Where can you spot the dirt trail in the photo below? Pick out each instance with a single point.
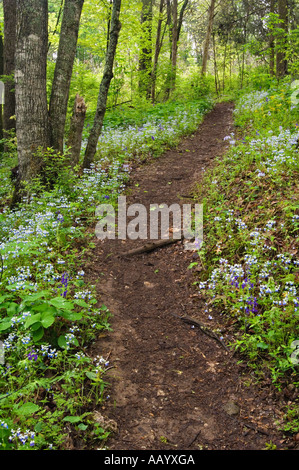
(171, 385)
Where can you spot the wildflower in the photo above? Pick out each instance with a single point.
(32, 356)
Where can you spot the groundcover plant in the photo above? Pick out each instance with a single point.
(50, 384)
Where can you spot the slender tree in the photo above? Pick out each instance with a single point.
(145, 59)
(281, 61)
(104, 86)
(208, 37)
(175, 21)
(158, 46)
(63, 71)
(272, 42)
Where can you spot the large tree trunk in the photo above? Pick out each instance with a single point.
(281, 62)
(208, 37)
(9, 10)
(63, 71)
(104, 87)
(32, 125)
(145, 60)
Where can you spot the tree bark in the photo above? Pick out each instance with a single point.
(76, 129)
(208, 37)
(32, 124)
(176, 22)
(145, 60)
(9, 10)
(63, 71)
(104, 87)
(157, 51)
(1, 92)
(272, 43)
(281, 62)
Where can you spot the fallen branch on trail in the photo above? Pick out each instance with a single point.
(148, 247)
(202, 327)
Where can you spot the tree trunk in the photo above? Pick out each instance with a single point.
(63, 71)
(9, 10)
(157, 50)
(176, 22)
(145, 60)
(32, 125)
(174, 47)
(208, 37)
(272, 43)
(76, 129)
(104, 87)
(1, 92)
(281, 62)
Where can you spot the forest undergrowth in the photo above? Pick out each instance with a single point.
(249, 258)
(50, 385)
(50, 316)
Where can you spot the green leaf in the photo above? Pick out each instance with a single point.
(5, 325)
(72, 316)
(62, 342)
(47, 319)
(32, 319)
(32, 298)
(72, 419)
(91, 375)
(61, 303)
(28, 408)
(44, 307)
(192, 265)
(81, 303)
(82, 427)
(38, 334)
(262, 345)
(12, 308)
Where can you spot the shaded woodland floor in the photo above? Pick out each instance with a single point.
(171, 385)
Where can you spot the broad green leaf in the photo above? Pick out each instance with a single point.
(28, 408)
(5, 325)
(72, 316)
(38, 334)
(72, 419)
(32, 319)
(47, 319)
(61, 303)
(81, 303)
(91, 375)
(62, 342)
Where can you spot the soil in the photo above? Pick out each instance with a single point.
(171, 385)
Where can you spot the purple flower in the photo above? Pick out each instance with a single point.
(32, 356)
(65, 281)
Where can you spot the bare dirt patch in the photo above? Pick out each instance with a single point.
(172, 386)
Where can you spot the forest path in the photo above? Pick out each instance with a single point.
(171, 385)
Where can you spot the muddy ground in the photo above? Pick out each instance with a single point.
(171, 385)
